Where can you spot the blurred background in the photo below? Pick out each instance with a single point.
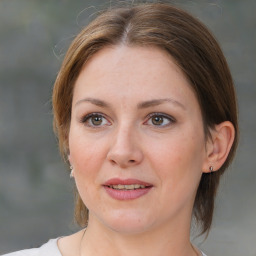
(36, 194)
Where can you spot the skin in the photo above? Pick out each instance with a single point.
(123, 85)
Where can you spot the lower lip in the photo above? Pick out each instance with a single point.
(126, 194)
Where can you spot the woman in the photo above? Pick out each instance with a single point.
(145, 112)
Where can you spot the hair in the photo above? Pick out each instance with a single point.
(195, 51)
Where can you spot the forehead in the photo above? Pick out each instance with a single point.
(138, 59)
(147, 72)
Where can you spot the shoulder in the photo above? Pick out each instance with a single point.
(48, 249)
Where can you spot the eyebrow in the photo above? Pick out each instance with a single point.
(94, 101)
(156, 102)
(142, 105)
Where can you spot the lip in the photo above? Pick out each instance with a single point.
(117, 181)
(126, 194)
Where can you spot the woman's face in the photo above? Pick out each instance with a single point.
(136, 140)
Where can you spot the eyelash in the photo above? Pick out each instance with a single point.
(86, 119)
(170, 119)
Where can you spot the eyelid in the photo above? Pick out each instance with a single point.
(85, 118)
(171, 118)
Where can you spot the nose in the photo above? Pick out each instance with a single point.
(125, 150)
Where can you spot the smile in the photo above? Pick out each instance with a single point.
(127, 187)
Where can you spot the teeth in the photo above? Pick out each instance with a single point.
(127, 187)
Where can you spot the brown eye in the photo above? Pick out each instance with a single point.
(157, 120)
(96, 120)
(160, 120)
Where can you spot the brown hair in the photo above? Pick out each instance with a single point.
(195, 51)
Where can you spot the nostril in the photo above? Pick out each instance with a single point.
(112, 161)
(131, 161)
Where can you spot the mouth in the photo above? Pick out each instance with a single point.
(126, 189)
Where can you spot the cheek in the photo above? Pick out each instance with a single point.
(178, 158)
(86, 154)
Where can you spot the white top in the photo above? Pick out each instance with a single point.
(48, 249)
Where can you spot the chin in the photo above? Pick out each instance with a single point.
(128, 228)
(128, 223)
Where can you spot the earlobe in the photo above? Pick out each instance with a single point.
(218, 146)
(71, 166)
(70, 159)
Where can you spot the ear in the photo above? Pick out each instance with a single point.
(218, 146)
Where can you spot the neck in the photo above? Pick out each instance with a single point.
(164, 241)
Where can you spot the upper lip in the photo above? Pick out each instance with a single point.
(118, 181)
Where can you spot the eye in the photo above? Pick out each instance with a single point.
(158, 119)
(95, 120)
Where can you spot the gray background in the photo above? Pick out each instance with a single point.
(35, 189)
